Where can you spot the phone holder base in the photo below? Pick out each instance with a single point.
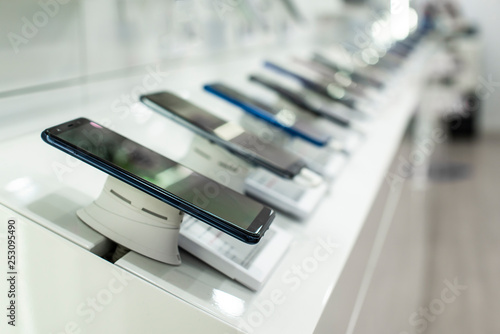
(135, 220)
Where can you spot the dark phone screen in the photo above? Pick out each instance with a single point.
(208, 122)
(188, 111)
(163, 172)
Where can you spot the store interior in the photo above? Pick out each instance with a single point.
(249, 166)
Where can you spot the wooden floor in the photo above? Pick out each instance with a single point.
(445, 232)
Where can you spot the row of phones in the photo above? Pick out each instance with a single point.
(182, 188)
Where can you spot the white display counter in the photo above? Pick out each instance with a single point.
(64, 287)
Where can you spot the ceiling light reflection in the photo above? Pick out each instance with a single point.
(228, 304)
(18, 184)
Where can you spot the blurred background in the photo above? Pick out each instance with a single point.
(59, 52)
(50, 44)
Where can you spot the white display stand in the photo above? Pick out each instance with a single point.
(136, 220)
(217, 163)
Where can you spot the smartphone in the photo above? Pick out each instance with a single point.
(316, 87)
(229, 135)
(342, 80)
(337, 114)
(291, 121)
(355, 75)
(162, 178)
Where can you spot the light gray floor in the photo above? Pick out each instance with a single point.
(446, 230)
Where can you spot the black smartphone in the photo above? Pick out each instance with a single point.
(354, 75)
(337, 114)
(316, 87)
(160, 177)
(229, 135)
(326, 75)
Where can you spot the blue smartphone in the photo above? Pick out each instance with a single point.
(292, 122)
(162, 178)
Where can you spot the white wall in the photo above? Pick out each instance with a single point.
(46, 42)
(35, 47)
(485, 13)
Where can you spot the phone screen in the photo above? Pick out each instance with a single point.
(288, 164)
(188, 111)
(181, 182)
